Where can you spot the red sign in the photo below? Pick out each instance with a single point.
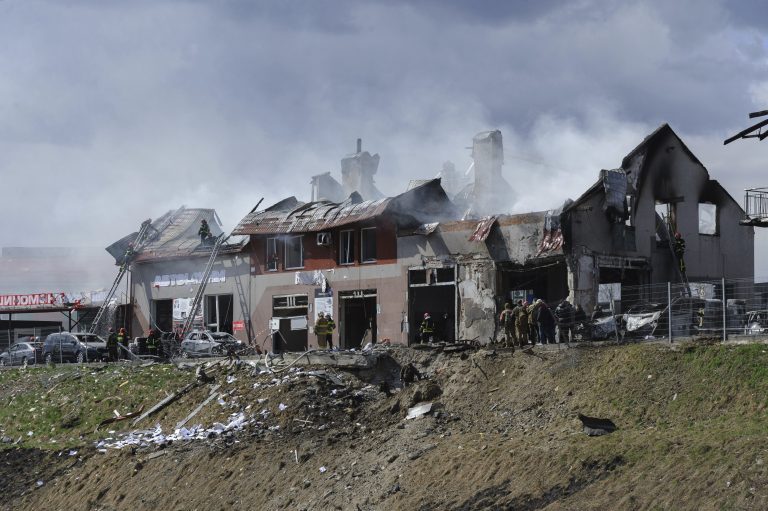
(30, 300)
(238, 326)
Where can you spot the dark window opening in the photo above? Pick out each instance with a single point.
(272, 254)
(368, 244)
(347, 247)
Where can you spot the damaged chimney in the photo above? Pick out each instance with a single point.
(357, 172)
(490, 193)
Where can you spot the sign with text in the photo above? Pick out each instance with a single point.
(184, 279)
(238, 326)
(31, 300)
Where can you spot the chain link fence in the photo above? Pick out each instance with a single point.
(722, 309)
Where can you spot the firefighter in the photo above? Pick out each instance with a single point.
(329, 328)
(112, 345)
(679, 248)
(321, 331)
(427, 328)
(507, 320)
(152, 341)
(521, 321)
(565, 319)
(122, 341)
(204, 231)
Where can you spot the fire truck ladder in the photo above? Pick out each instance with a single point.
(198, 299)
(133, 249)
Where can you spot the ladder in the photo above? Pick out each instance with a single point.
(133, 249)
(198, 299)
(683, 276)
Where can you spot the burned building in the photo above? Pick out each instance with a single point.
(620, 230)
(166, 273)
(337, 258)
(377, 264)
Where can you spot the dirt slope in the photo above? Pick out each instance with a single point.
(503, 434)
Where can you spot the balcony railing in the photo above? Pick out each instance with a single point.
(756, 207)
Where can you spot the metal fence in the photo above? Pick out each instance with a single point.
(722, 309)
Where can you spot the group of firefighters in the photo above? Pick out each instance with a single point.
(120, 340)
(526, 323)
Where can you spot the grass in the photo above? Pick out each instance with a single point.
(60, 407)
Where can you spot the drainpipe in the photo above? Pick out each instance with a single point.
(669, 309)
(725, 328)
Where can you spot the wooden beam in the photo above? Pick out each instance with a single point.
(758, 114)
(746, 131)
(165, 402)
(189, 417)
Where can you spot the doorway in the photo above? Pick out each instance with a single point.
(290, 313)
(163, 315)
(218, 313)
(357, 315)
(433, 291)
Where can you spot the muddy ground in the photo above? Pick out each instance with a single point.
(503, 433)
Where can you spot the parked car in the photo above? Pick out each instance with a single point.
(23, 352)
(756, 322)
(208, 344)
(74, 347)
(652, 319)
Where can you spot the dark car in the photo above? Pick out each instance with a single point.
(74, 347)
(24, 352)
(207, 344)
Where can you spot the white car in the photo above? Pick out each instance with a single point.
(207, 344)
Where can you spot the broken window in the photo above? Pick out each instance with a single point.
(294, 252)
(368, 244)
(417, 276)
(347, 247)
(666, 222)
(271, 254)
(707, 218)
(630, 206)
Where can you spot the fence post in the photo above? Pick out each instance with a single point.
(669, 309)
(725, 308)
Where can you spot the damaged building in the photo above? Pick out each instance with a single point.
(166, 273)
(336, 258)
(378, 264)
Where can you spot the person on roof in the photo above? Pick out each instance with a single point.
(427, 328)
(205, 231)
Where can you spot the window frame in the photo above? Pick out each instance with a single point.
(269, 259)
(715, 219)
(351, 252)
(286, 241)
(363, 259)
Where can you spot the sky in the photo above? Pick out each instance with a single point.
(112, 112)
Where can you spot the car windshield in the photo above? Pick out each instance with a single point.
(222, 336)
(88, 338)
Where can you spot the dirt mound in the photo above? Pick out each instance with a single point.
(502, 433)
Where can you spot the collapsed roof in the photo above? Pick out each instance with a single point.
(175, 234)
(426, 202)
